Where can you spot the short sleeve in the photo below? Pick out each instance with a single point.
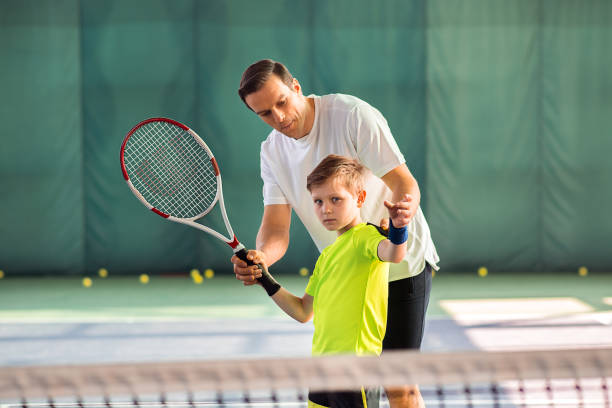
(367, 241)
(373, 141)
(272, 193)
(313, 282)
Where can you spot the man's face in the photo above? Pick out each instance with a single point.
(283, 108)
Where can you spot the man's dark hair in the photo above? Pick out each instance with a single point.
(256, 75)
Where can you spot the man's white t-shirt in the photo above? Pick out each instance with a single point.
(347, 126)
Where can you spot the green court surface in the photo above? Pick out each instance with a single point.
(175, 298)
(57, 321)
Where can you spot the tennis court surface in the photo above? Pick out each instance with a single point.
(501, 341)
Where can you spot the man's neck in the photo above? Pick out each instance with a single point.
(310, 117)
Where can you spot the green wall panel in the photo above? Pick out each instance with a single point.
(502, 110)
(482, 98)
(138, 62)
(41, 162)
(576, 134)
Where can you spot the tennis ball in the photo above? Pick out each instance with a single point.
(303, 271)
(198, 279)
(209, 273)
(194, 273)
(583, 271)
(433, 273)
(1, 274)
(144, 278)
(103, 272)
(482, 271)
(87, 282)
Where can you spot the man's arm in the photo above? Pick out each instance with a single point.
(402, 182)
(272, 242)
(273, 235)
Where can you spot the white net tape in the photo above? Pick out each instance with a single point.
(551, 377)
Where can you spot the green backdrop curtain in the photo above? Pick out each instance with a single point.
(502, 109)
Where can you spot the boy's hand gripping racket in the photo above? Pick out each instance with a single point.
(173, 172)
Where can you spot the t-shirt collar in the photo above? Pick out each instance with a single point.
(315, 123)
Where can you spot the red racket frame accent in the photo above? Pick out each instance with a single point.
(215, 165)
(162, 214)
(234, 243)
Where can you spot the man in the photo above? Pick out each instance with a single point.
(307, 129)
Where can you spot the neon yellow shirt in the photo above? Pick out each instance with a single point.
(350, 289)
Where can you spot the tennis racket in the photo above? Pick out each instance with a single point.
(173, 173)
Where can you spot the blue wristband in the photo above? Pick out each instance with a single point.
(397, 235)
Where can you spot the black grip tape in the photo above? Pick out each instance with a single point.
(267, 281)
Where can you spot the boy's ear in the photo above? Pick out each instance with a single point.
(361, 198)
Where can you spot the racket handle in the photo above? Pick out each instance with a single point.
(267, 281)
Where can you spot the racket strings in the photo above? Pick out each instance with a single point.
(181, 175)
(171, 170)
(175, 176)
(156, 164)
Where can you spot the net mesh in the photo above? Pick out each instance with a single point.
(561, 378)
(170, 169)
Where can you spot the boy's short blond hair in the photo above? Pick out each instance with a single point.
(350, 172)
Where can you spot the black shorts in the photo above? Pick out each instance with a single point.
(363, 398)
(408, 301)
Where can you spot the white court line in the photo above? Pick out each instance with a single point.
(475, 311)
(131, 314)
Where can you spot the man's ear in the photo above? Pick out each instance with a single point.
(361, 198)
(296, 86)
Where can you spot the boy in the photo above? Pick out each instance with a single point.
(347, 292)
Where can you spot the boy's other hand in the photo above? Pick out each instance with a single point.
(384, 224)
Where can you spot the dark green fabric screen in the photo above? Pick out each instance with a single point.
(41, 137)
(502, 110)
(519, 133)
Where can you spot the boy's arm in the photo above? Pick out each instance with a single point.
(298, 308)
(394, 248)
(389, 252)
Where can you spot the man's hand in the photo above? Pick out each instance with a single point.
(248, 274)
(401, 212)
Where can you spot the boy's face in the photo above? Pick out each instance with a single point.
(336, 206)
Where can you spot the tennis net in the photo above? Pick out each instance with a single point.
(541, 378)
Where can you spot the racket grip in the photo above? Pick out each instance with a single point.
(267, 281)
